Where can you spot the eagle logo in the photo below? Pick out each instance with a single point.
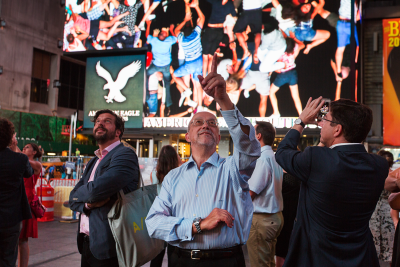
(116, 86)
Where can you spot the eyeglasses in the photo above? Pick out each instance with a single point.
(320, 118)
(200, 122)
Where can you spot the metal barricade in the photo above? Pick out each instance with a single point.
(76, 166)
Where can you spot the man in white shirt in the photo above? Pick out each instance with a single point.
(266, 192)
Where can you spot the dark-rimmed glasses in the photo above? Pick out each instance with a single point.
(200, 122)
(322, 118)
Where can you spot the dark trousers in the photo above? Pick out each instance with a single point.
(88, 260)
(9, 245)
(237, 260)
(167, 81)
(158, 260)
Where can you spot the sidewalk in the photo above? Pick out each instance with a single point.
(56, 246)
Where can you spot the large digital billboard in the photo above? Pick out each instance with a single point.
(115, 83)
(391, 81)
(274, 54)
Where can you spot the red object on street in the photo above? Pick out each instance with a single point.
(46, 196)
(149, 58)
(65, 130)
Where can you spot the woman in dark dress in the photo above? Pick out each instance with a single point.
(29, 227)
(290, 193)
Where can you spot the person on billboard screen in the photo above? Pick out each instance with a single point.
(341, 63)
(154, 86)
(96, 30)
(131, 6)
(273, 46)
(214, 32)
(147, 12)
(303, 16)
(189, 38)
(251, 16)
(287, 75)
(161, 45)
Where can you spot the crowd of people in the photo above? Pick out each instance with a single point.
(308, 208)
(257, 42)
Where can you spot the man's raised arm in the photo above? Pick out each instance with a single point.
(242, 131)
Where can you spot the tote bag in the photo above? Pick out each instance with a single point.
(126, 219)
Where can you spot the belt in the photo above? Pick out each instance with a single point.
(197, 254)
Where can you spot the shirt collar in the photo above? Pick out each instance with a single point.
(344, 144)
(265, 148)
(108, 149)
(213, 160)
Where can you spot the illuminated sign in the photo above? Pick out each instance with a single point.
(115, 83)
(391, 81)
(284, 122)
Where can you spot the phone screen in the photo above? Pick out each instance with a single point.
(325, 108)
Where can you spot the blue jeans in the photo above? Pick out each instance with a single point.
(152, 102)
(167, 81)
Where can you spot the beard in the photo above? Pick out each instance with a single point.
(211, 141)
(103, 138)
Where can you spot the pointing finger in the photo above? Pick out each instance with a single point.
(214, 63)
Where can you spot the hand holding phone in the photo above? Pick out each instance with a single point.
(311, 110)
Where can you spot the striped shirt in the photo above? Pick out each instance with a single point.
(191, 44)
(95, 13)
(188, 193)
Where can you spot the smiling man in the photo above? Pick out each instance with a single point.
(204, 208)
(115, 167)
(341, 184)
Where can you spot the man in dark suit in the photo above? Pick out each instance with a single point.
(115, 167)
(341, 184)
(14, 206)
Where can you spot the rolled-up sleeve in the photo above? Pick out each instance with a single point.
(160, 222)
(261, 177)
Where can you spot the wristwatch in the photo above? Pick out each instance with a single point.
(196, 223)
(299, 122)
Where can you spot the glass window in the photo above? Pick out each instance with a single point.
(72, 78)
(40, 76)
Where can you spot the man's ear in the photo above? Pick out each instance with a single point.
(338, 131)
(258, 136)
(118, 133)
(187, 137)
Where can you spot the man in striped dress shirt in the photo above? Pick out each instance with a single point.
(204, 208)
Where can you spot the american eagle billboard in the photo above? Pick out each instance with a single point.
(115, 83)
